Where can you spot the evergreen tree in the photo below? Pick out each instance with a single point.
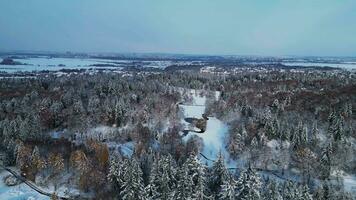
(219, 174)
(305, 195)
(117, 173)
(339, 129)
(228, 190)
(297, 193)
(162, 178)
(184, 185)
(299, 136)
(325, 162)
(197, 173)
(314, 135)
(304, 135)
(275, 106)
(326, 191)
(289, 191)
(336, 127)
(348, 109)
(271, 191)
(249, 185)
(236, 145)
(243, 134)
(133, 187)
(254, 143)
(271, 128)
(319, 194)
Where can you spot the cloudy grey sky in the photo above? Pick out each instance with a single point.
(242, 27)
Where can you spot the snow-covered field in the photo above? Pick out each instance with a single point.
(18, 192)
(216, 131)
(55, 64)
(348, 65)
(349, 181)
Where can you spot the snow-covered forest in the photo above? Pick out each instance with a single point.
(213, 133)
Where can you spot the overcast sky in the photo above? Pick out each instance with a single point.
(241, 27)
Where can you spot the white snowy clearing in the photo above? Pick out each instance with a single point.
(216, 131)
(55, 64)
(346, 65)
(18, 192)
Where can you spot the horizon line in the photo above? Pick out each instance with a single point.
(164, 53)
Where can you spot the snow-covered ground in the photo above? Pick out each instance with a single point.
(126, 149)
(348, 65)
(18, 192)
(349, 181)
(216, 131)
(55, 64)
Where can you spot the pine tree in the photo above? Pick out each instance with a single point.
(219, 174)
(254, 143)
(162, 178)
(154, 181)
(331, 117)
(325, 162)
(249, 185)
(166, 189)
(348, 109)
(184, 185)
(271, 191)
(327, 193)
(339, 129)
(197, 173)
(236, 145)
(289, 191)
(34, 128)
(228, 190)
(36, 161)
(133, 187)
(243, 133)
(275, 106)
(314, 135)
(304, 135)
(305, 195)
(24, 129)
(297, 193)
(336, 127)
(150, 192)
(319, 194)
(270, 128)
(299, 136)
(117, 173)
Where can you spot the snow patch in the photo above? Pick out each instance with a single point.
(18, 192)
(214, 138)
